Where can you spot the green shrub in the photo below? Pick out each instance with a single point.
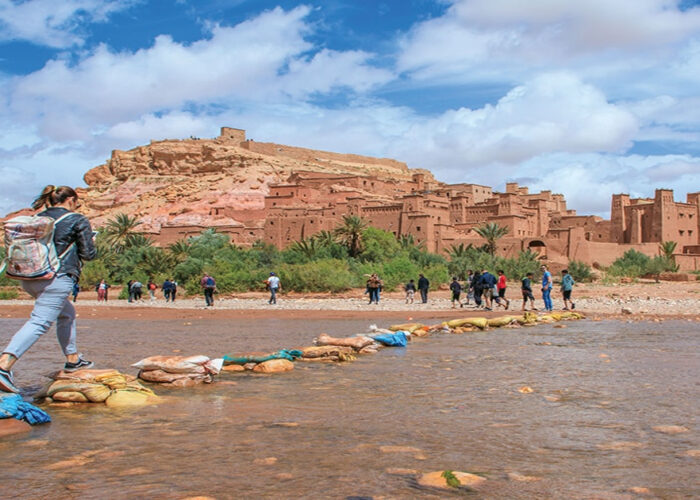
(328, 275)
(635, 264)
(580, 271)
(9, 294)
(632, 264)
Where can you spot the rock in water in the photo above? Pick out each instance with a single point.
(437, 479)
(274, 366)
(10, 426)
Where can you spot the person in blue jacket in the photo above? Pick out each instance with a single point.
(488, 284)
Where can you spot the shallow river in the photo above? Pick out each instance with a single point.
(586, 430)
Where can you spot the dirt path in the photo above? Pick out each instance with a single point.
(644, 300)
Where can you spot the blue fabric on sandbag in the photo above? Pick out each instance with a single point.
(13, 406)
(396, 339)
(290, 354)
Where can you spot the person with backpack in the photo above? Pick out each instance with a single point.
(526, 289)
(488, 285)
(59, 240)
(136, 290)
(208, 284)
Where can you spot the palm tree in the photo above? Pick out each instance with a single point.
(120, 231)
(180, 249)
(349, 234)
(667, 248)
(324, 238)
(308, 247)
(459, 251)
(491, 232)
(138, 240)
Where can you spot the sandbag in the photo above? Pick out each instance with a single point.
(89, 376)
(126, 398)
(528, 318)
(323, 351)
(174, 364)
(274, 366)
(368, 349)
(409, 327)
(94, 386)
(499, 322)
(70, 396)
(356, 343)
(478, 322)
(163, 377)
(97, 393)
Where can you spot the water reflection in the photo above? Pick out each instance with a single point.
(356, 429)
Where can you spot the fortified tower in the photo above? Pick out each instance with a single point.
(618, 227)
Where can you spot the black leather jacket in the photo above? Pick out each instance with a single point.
(73, 229)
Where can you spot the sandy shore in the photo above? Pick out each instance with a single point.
(644, 300)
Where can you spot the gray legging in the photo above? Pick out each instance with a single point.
(52, 305)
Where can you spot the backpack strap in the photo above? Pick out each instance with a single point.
(67, 214)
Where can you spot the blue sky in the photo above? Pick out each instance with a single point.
(583, 98)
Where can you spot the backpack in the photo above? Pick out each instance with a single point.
(209, 282)
(31, 252)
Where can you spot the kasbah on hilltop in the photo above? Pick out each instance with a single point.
(280, 194)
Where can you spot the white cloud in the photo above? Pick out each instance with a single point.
(553, 112)
(54, 23)
(476, 37)
(236, 64)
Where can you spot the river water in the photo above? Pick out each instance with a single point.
(342, 430)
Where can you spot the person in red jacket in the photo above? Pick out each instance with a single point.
(501, 287)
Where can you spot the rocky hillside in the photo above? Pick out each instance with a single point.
(178, 181)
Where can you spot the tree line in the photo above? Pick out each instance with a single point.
(328, 261)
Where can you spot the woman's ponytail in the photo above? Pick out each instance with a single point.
(52, 195)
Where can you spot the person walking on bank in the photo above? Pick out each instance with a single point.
(567, 285)
(208, 284)
(101, 290)
(173, 290)
(469, 286)
(477, 288)
(501, 287)
(423, 287)
(136, 290)
(373, 286)
(456, 288)
(167, 288)
(273, 283)
(410, 289)
(152, 287)
(73, 241)
(526, 289)
(488, 285)
(547, 288)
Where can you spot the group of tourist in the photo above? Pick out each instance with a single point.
(135, 290)
(485, 290)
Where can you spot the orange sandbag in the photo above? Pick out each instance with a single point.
(356, 343)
